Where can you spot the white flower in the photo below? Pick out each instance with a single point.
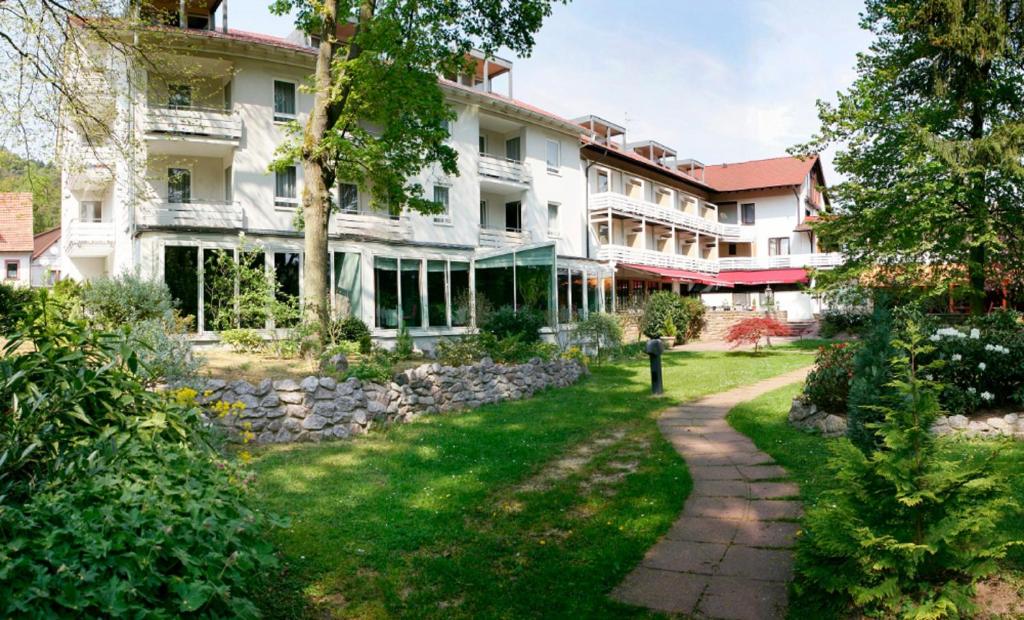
(975, 333)
(981, 366)
(971, 390)
(997, 348)
(935, 338)
(987, 396)
(952, 332)
(929, 377)
(957, 357)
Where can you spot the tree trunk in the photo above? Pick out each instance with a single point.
(978, 255)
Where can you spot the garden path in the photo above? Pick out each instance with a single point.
(729, 554)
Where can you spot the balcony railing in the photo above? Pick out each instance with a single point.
(194, 121)
(88, 167)
(503, 169)
(372, 225)
(496, 238)
(194, 214)
(813, 261)
(85, 239)
(623, 205)
(634, 256)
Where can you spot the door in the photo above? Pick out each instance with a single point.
(514, 216)
(512, 149)
(483, 214)
(179, 185)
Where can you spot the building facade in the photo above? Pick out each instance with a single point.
(16, 237)
(559, 215)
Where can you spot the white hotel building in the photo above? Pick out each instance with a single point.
(562, 215)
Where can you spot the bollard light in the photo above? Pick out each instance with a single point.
(655, 347)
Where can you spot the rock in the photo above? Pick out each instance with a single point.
(324, 408)
(309, 384)
(292, 425)
(314, 422)
(270, 400)
(323, 393)
(375, 408)
(286, 385)
(328, 383)
(296, 411)
(242, 387)
(251, 402)
(264, 387)
(833, 426)
(292, 398)
(215, 385)
(283, 436)
(958, 422)
(336, 363)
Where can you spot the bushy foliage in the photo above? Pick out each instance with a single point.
(459, 351)
(13, 301)
(164, 352)
(828, 384)
(125, 300)
(753, 330)
(377, 366)
(666, 312)
(908, 529)
(836, 321)
(404, 345)
(350, 328)
(524, 324)
(600, 333)
(871, 378)
(981, 368)
(112, 500)
(242, 340)
(511, 350)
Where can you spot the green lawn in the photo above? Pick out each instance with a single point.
(534, 508)
(805, 456)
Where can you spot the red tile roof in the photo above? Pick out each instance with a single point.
(44, 240)
(766, 276)
(640, 159)
(15, 222)
(759, 174)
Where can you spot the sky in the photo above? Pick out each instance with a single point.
(717, 80)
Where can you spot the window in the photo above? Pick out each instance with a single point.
(284, 101)
(514, 216)
(179, 185)
(11, 268)
(483, 144)
(179, 96)
(483, 214)
(441, 198)
(778, 246)
(603, 181)
(347, 284)
(385, 288)
(554, 156)
(732, 249)
(348, 198)
(747, 212)
(286, 274)
(229, 191)
(512, 150)
(228, 101)
(553, 219)
(91, 211)
(285, 193)
(314, 41)
(458, 281)
(437, 307)
(409, 289)
(198, 21)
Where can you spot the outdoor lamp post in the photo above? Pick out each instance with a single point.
(655, 347)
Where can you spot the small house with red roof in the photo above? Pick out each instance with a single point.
(16, 237)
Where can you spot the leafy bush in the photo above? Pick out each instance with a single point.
(351, 328)
(673, 316)
(165, 354)
(752, 330)
(123, 300)
(838, 321)
(377, 366)
(244, 340)
(695, 312)
(907, 530)
(576, 353)
(600, 331)
(13, 302)
(112, 501)
(404, 346)
(871, 378)
(980, 368)
(828, 385)
(459, 351)
(525, 324)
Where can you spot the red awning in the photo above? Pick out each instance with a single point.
(766, 276)
(679, 275)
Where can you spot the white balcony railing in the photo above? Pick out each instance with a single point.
(88, 167)
(495, 238)
(635, 256)
(372, 225)
(195, 214)
(503, 169)
(623, 205)
(84, 239)
(811, 261)
(207, 122)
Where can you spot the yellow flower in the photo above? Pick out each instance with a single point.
(244, 456)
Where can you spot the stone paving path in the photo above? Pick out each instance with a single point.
(728, 556)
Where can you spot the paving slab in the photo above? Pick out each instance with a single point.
(728, 556)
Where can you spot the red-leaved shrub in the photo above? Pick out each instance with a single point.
(751, 331)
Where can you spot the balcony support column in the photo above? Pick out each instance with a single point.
(224, 16)
(182, 14)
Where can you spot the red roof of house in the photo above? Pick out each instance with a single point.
(759, 174)
(44, 240)
(15, 222)
(766, 276)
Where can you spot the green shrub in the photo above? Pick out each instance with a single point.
(907, 530)
(982, 367)
(112, 501)
(404, 345)
(377, 366)
(524, 324)
(14, 300)
(164, 355)
(461, 351)
(600, 331)
(695, 312)
(576, 353)
(665, 311)
(243, 340)
(828, 385)
(352, 328)
(870, 383)
(844, 321)
(123, 300)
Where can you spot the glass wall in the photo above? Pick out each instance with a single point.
(385, 288)
(608, 287)
(593, 294)
(286, 272)
(437, 305)
(534, 284)
(409, 293)
(348, 287)
(181, 274)
(563, 296)
(578, 297)
(460, 297)
(495, 282)
(252, 289)
(218, 290)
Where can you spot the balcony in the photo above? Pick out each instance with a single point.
(192, 131)
(755, 263)
(497, 238)
(195, 214)
(372, 226)
(623, 205)
(89, 168)
(88, 239)
(734, 233)
(503, 171)
(635, 256)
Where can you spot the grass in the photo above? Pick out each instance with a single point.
(805, 456)
(534, 508)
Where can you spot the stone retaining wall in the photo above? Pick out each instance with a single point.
(321, 408)
(1009, 425)
(718, 322)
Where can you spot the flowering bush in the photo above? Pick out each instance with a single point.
(751, 331)
(828, 385)
(979, 368)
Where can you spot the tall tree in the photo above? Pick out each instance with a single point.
(931, 136)
(379, 114)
